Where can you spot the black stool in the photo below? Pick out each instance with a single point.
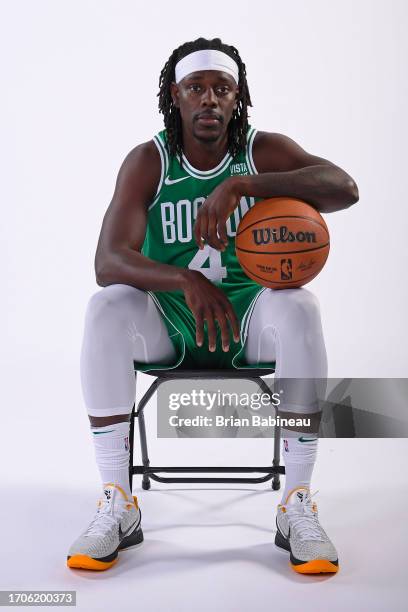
(271, 471)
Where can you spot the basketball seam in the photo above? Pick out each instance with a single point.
(317, 248)
(283, 217)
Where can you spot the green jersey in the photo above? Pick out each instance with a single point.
(170, 239)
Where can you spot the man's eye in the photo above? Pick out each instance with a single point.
(223, 90)
(195, 88)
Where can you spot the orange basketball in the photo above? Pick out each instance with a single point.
(282, 243)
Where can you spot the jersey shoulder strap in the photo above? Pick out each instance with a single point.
(160, 142)
(248, 152)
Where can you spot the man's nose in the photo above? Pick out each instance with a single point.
(209, 98)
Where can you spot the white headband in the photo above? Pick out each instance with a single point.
(206, 59)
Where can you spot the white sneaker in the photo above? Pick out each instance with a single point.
(300, 533)
(116, 525)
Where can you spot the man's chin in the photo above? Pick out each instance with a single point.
(208, 134)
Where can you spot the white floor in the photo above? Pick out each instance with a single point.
(206, 548)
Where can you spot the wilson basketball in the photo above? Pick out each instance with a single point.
(282, 243)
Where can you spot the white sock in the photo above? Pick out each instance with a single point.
(112, 454)
(299, 458)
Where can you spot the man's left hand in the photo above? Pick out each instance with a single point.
(210, 224)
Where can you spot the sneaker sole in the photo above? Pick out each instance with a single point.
(315, 566)
(82, 561)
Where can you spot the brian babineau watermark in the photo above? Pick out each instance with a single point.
(191, 409)
(232, 421)
(221, 399)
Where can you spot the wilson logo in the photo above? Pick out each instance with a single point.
(281, 234)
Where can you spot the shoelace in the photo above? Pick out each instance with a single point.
(304, 520)
(104, 518)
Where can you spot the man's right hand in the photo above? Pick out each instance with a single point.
(209, 303)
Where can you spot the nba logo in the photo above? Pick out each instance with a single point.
(286, 445)
(286, 269)
(127, 443)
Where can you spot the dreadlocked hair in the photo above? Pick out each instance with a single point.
(238, 125)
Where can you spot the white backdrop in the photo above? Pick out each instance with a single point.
(79, 84)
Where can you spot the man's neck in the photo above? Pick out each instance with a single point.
(205, 155)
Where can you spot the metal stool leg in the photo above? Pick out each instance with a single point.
(143, 446)
(277, 439)
(276, 457)
(142, 431)
(131, 439)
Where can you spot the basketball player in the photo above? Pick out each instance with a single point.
(175, 296)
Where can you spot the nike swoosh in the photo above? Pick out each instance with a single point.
(122, 534)
(302, 439)
(168, 181)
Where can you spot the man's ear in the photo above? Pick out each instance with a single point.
(174, 91)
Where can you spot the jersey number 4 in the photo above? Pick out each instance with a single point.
(214, 271)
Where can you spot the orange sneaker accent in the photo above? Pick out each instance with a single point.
(112, 484)
(136, 502)
(85, 562)
(293, 490)
(316, 566)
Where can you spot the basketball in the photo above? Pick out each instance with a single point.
(282, 243)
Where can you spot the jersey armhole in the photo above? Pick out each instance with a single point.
(164, 160)
(249, 157)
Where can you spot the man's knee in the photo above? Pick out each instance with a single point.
(298, 307)
(304, 304)
(114, 302)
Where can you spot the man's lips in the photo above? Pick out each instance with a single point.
(208, 119)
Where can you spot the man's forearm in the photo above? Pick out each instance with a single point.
(129, 267)
(327, 188)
